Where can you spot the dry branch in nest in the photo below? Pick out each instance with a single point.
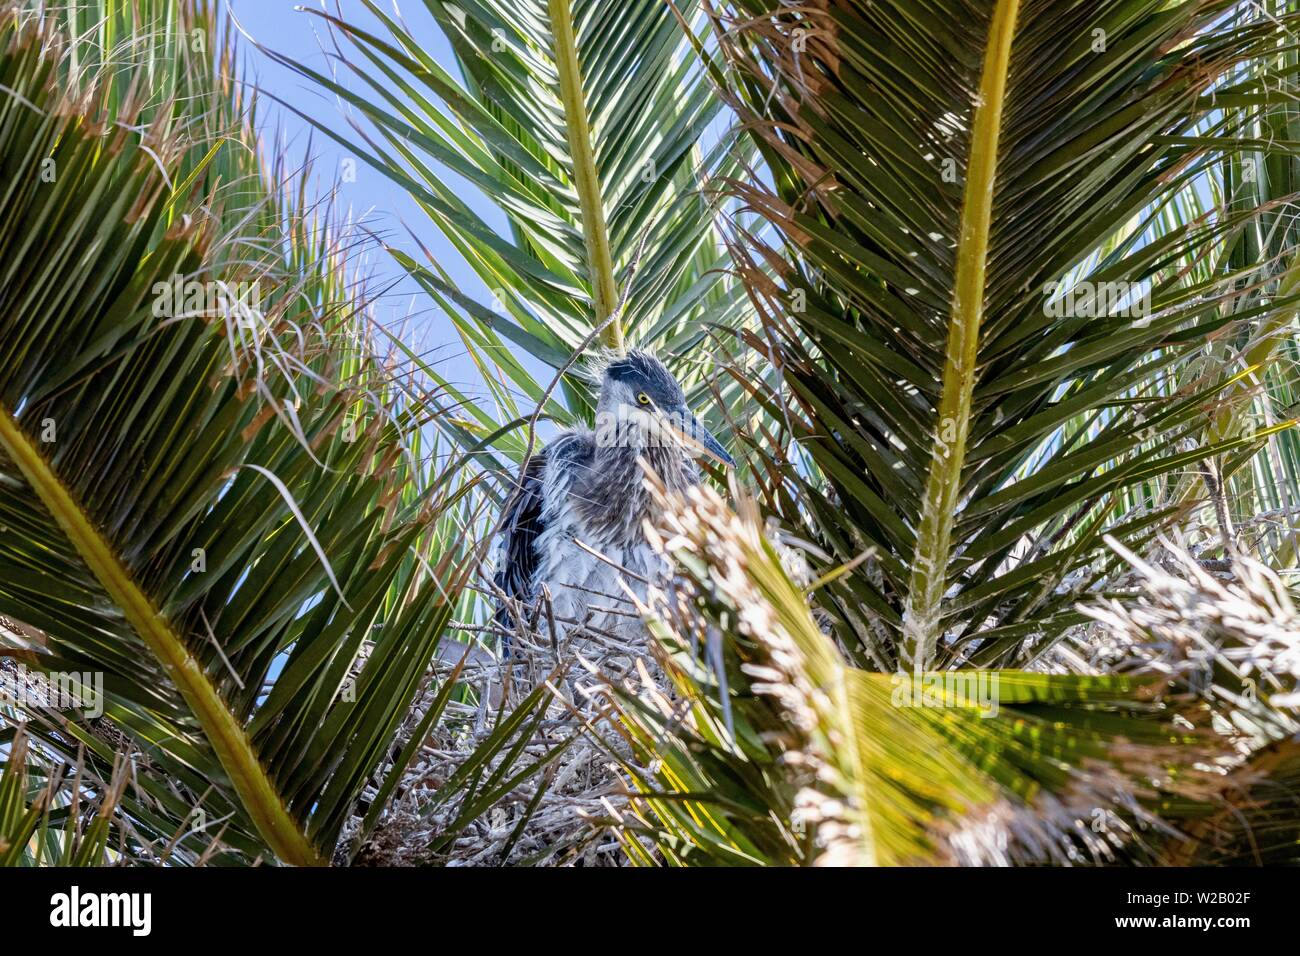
(1224, 639)
(553, 817)
(1238, 636)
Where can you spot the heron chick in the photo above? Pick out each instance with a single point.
(587, 488)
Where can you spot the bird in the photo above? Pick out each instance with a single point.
(572, 528)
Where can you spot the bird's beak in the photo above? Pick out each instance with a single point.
(710, 444)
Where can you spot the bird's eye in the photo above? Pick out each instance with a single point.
(643, 398)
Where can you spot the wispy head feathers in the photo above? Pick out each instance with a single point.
(641, 370)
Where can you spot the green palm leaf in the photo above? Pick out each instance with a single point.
(777, 753)
(936, 205)
(220, 509)
(54, 815)
(585, 123)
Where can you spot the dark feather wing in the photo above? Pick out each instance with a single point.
(517, 560)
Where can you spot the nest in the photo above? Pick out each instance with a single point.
(560, 816)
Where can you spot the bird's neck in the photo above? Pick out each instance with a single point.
(614, 500)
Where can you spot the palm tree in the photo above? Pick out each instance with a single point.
(588, 125)
(779, 753)
(979, 439)
(984, 446)
(967, 441)
(213, 492)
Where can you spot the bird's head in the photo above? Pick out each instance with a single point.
(642, 406)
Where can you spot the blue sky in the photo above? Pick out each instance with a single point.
(373, 199)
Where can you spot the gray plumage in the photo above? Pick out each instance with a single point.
(588, 486)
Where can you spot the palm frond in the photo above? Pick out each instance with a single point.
(212, 493)
(1229, 640)
(53, 815)
(776, 752)
(588, 125)
(974, 406)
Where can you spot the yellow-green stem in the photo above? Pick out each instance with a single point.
(222, 730)
(922, 618)
(595, 232)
